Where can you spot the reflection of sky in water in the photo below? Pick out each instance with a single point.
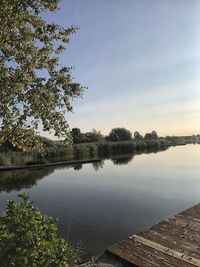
(116, 201)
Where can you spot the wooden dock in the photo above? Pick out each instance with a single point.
(173, 242)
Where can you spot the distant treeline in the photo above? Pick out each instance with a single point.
(122, 134)
(119, 141)
(115, 135)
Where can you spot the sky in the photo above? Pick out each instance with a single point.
(140, 62)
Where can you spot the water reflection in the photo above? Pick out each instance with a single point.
(122, 159)
(78, 166)
(109, 200)
(17, 180)
(26, 178)
(150, 150)
(98, 165)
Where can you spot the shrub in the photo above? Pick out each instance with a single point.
(4, 161)
(29, 239)
(37, 162)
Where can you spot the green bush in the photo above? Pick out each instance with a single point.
(4, 161)
(12, 158)
(85, 150)
(29, 239)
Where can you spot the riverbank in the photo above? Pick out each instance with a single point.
(65, 154)
(36, 166)
(84, 151)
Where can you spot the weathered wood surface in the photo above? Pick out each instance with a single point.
(173, 242)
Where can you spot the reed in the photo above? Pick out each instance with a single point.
(101, 150)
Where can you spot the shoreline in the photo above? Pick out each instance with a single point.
(59, 163)
(136, 147)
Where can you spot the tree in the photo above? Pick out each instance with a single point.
(148, 136)
(154, 135)
(89, 137)
(151, 136)
(18, 142)
(29, 238)
(138, 136)
(76, 135)
(35, 90)
(119, 134)
(93, 136)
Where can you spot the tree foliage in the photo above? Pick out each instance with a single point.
(89, 137)
(151, 136)
(119, 134)
(154, 135)
(94, 136)
(29, 239)
(76, 135)
(35, 90)
(137, 136)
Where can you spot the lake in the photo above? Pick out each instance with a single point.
(100, 204)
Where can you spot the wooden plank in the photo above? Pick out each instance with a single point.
(168, 251)
(158, 254)
(128, 256)
(194, 212)
(150, 254)
(172, 243)
(188, 217)
(175, 229)
(175, 242)
(144, 255)
(184, 222)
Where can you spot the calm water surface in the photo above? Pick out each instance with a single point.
(104, 204)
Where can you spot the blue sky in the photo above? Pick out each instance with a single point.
(140, 60)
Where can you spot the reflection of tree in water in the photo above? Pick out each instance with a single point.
(150, 150)
(17, 180)
(122, 159)
(77, 166)
(98, 165)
